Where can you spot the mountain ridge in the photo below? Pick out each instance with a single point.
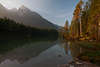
(27, 17)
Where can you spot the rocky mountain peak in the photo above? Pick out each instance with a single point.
(24, 9)
(2, 7)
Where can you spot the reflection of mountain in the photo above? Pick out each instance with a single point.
(27, 17)
(23, 54)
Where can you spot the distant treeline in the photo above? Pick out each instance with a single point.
(14, 35)
(10, 28)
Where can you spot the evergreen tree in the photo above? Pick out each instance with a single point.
(75, 27)
(66, 25)
(94, 16)
(84, 18)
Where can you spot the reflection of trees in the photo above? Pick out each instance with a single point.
(67, 48)
(26, 51)
(14, 35)
(75, 49)
(8, 43)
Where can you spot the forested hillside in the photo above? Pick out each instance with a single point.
(11, 29)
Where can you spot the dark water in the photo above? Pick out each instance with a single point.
(37, 53)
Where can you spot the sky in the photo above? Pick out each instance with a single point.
(55, 11)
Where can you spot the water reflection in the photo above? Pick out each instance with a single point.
(76, 49)
(37, 53)
(86, 51)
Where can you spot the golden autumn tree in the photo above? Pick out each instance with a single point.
(75, 28)
(66, 25)
(94, 19)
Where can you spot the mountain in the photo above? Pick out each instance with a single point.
(27, 17)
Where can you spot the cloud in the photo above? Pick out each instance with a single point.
(11, 3)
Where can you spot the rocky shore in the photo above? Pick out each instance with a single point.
(78, 63)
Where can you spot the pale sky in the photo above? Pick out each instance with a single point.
(56, 11)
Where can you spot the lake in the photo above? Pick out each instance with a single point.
(34, 53)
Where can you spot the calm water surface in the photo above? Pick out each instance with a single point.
(39, 53)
